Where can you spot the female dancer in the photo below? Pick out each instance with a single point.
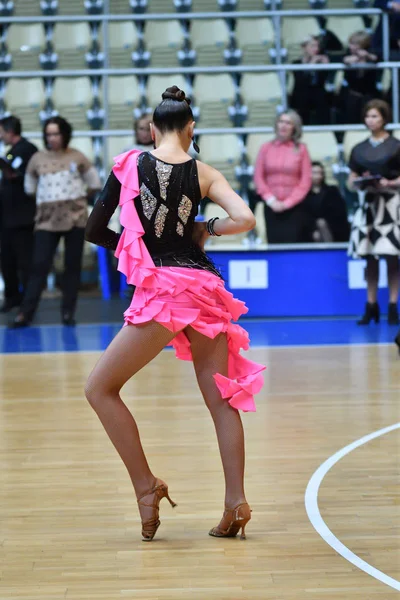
(180, 299)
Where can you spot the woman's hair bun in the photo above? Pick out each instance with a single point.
(174, 93)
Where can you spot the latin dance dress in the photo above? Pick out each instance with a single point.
(176, 284)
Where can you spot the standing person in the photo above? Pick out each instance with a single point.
(282, 178)
(359, 85)
(309, 96)
(375, 229)
(180, 299)
(18, 214)
(61, 177)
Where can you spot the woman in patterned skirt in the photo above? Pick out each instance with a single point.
(376, 224)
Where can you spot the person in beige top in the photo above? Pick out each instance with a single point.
(61, 178)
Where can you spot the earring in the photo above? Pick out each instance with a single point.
(195, 146)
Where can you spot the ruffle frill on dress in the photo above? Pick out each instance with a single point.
(176, 297)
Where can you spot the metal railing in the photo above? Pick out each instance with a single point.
(280, 68)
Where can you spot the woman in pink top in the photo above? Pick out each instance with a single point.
(282, 179)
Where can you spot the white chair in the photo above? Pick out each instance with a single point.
(123, 96)
(72, 7)
(71, 42)
(214, 94)
(209, 39)
(122, 41)
(163, 39)
(221, 151)
(27, 8)
(25, 43)
(296, 5)
(72, 98)
(263, 96)
(250, 5)
(161, 6)
(205, 6)
(25, 98)
(254, 37)
(219, 148)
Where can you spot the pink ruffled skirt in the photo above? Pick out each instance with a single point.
(183, 296)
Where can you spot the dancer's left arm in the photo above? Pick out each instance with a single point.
(97, 231)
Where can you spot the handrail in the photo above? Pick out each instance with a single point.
(220, 130)
(43, 73)
(191, 16)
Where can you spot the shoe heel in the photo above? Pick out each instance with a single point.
(172, 503)
(243, 534)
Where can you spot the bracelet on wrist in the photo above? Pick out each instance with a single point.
(210, 227)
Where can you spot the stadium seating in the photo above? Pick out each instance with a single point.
(249, 99)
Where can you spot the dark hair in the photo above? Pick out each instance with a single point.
(174, 112)
(382, 107)
(316, 163)
(11, 124)
(64, 127)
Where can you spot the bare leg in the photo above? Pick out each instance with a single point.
(210, 357)
(393, 278)
(372, 276)
(131, 349)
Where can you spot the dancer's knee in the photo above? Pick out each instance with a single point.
(97, 393)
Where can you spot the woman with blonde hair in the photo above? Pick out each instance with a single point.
(282, 179)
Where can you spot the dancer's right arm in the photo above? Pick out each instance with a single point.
(97, 231)
(214, 185)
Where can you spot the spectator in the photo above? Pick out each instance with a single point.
(309, 97)
(359, 85)
(59, 176)
(18, 214)
(142, 132)
(282, 179)
(375, 229)
(393, 8)
(326, 209)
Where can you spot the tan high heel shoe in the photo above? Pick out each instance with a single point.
(150, 526)
(233, 520)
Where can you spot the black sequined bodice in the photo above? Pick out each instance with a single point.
(167, 206)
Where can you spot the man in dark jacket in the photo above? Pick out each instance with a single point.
(17, 213)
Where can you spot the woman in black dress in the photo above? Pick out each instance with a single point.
(375, 229)
(180, 300)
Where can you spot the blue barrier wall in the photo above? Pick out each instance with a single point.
(297, 282)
